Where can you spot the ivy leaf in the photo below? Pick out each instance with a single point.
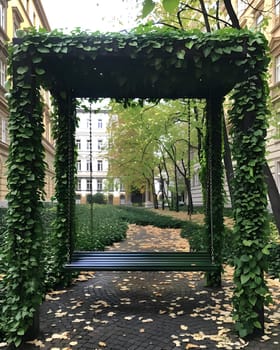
(43, 49)
(22, 70)
(20, 33)
(36, 59)
(265, 250)
(133, 43)
(189, 45)
(244, 278)
(148, 7)
(40, 71)
(238, 48)
(207, 51)
(181, 54)
(169, 49)
(247, 243)
(170, 5)
(157, 45)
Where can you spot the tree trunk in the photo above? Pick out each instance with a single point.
(228, 163)
(273, 194)
(176, 197)
(189, 193)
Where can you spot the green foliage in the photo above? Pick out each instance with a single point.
(274, 260)
(148, 6)
(251, 232)
(26, 190)
(3, 236)
(107, 227)
(98, 198)
(23, 283)
(141, 216)
(64, 123)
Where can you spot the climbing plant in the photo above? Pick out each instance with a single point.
(249, 122)
(23, 277)
(64, 119)
(214, 223)
(190, 62)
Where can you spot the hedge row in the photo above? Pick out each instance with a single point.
(109, 225)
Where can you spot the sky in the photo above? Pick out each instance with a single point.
(92, 15)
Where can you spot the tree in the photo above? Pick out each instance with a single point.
(132, 146)
(153, 140)
(249, 315)
(195, 14)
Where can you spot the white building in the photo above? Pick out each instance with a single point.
(92, 163)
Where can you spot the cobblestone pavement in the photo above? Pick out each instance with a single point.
(147, 310)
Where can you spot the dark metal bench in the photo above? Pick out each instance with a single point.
(141, 261)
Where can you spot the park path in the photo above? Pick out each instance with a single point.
(150, 238)
(147, 310)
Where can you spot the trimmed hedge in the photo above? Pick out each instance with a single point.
(105, 228)
(142, 216)
(109, 225)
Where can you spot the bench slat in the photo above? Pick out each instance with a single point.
(141, 261)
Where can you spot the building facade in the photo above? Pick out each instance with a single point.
(265, 16)
(14, 15)
(92, 163)
(261, 15)
(4, 138)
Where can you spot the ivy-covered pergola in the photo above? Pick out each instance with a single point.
(159, 64)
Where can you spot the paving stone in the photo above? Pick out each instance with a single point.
(142, 311)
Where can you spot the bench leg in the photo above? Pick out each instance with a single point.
(213, 279)
(34, 329)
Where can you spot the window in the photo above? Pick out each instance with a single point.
(99, 165)
(195, 179)
(89, 185)
(78, 143)
(4, 130)
(277, 174)
(89, 167)
(277, 69)
(2, 15)
(2, 72)
(277, 8)
(79, 165)
(79, 185)
(88, 123)
(99, 144)
(99, 124)
(99, 184)
(277, 130)
(259, 19)
(241, 5)
(88, 144)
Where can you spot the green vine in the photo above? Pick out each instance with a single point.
(23, 279)
(64, 125)
(214, 223)
(249, 124)
(239, 56)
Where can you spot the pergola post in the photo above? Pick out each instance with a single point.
(23, 278)
(65, 176)
(251, 230)
(214, 186)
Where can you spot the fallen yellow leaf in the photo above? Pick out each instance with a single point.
(102, 344)
(192, 346)
(183, 327)
(35, 342)
(147, 320)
